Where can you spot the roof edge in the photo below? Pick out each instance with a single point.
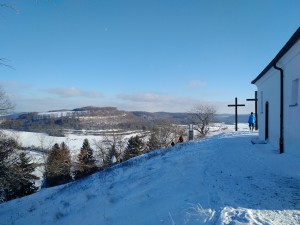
(295, 37)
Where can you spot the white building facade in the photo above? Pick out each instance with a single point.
(278, 98)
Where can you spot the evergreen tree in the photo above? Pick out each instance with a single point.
(109, 157)
(153, 142)
(58, 166)
(24, 180)
(134, 147)
(65, 166)
(16, 178)
(86, 162)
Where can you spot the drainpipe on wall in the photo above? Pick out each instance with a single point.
(281, 108)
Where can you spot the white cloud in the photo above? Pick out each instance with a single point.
(144, 97)
(195, 84)
(13, 84)
(74, 92)
(154, 102)
(47, 103)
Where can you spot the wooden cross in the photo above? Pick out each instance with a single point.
(236, 112)
(255, 100)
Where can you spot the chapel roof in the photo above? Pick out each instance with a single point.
(286, 47)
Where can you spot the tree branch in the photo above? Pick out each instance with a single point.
(3, 62)
(9, 6)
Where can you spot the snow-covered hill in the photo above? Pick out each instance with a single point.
(223, 179)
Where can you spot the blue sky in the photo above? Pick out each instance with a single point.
(153, 55)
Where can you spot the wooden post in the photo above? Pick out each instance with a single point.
(191, 132)
(236, 105)
(255, 99)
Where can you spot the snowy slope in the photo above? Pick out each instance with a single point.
(223, 179)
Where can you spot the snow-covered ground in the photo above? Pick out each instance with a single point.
(74, 142)
(223, 179)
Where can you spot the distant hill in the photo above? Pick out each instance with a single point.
(182, 118)
(230, 118)
(94, 108)
(156, 117)
(55, 122)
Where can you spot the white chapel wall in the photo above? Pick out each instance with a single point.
(269, 85)
(291, 66)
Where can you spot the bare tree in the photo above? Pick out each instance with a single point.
(5, 103)
(169, 132)
(3, 62)
(201, 117)
(110, 149)
(8, 5)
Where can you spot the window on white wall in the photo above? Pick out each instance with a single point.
(261, 102)
(295, 87)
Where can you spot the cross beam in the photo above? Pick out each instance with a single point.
(255, 99)
(236, 105)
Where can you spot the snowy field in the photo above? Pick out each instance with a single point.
(74, 142)
(223, 179)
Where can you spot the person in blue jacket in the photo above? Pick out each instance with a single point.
(251, 121)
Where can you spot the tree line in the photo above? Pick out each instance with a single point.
(56, 124)
(18, 180)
